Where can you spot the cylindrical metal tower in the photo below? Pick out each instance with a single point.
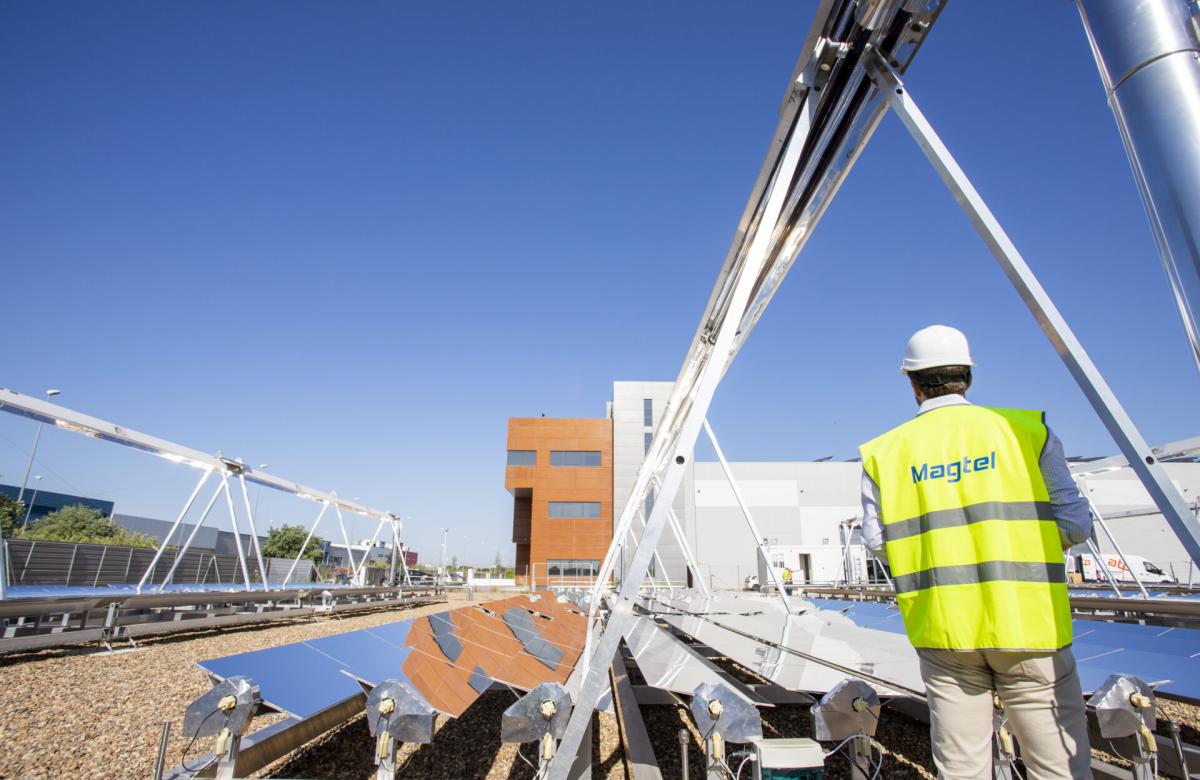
(1148, 53)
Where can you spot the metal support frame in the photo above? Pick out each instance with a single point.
(237, 534)
(800, 180)
(1099, 520)
(346, 540)
(397, 529)
(1103, 564)
(174, 527)
(307, 539)
(658, 562)
(262, 569)
(186, 544)
(44, 412)
(1139, 454)
(692, 563)
(759, 542)
(669, 453)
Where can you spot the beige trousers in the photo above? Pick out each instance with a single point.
(1043, 701)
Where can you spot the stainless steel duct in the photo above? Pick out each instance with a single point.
(1148, 53)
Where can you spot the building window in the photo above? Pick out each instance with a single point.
(649, 503)
(647, 439)
(522, 457)
(574, 510)
(572, 568)
(574, 457)
(648, 412)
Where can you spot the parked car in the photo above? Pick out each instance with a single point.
(752, 582)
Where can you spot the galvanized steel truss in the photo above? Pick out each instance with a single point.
(847, 76)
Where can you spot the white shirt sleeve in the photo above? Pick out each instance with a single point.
(1071, 510)
(872, 528)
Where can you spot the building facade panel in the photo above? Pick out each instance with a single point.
(541, 538)
(630, 404)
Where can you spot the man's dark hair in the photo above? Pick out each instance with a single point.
(942, 380)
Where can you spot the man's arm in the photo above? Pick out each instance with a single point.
(1071, 510)
(872, 528)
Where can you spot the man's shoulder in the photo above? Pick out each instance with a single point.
(889, 434)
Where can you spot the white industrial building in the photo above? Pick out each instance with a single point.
(801, 507)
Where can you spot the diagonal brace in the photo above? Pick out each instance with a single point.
(1135, 449)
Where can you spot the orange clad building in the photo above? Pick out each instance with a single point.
(560, 474)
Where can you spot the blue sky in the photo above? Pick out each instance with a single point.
(350, 240)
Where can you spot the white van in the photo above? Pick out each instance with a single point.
(1086, 566)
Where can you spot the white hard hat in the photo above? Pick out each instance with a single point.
(937, 345)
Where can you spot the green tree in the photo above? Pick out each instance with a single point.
(85, 525)
(12, 512)
(286, 541)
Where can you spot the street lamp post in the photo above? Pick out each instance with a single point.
(37, 483)
(37, 436)
(445, 574)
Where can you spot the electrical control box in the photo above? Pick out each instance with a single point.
(789, 759)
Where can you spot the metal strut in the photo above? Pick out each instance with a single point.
(1139, 454)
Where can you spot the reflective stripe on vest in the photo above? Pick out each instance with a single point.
(969, 530)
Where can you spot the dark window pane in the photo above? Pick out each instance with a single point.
(522, 457)
(648, 438)
(573, 509)
(574, 457)
(648, 412)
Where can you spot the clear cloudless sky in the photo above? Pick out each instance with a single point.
(351, 239)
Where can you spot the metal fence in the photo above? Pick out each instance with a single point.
(68, 563)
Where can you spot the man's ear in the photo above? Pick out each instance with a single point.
(920, 396)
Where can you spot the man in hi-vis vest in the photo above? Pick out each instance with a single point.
(972, 509)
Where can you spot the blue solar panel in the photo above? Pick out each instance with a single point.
(396, 633)
(297, 679)
(1151, 639)
(1153, 653)
(129, 589)
(365, 655)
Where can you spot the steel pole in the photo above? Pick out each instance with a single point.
(187, 543)
(1103, 566)
(669, 454)
(776, 577)
(37, 436)
(1148, 55)
(1139, 454)
(262, 570)
(29, 509)
(307, 539)
(392, 568)
(1113, 541)
(237, 535)
(346, 539)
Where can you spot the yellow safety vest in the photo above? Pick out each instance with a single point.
(969, 532)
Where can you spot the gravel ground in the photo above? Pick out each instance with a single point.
(466, 747)
(71, 712)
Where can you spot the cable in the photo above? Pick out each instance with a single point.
(741, 766)
(521, 756)
(196, 735)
